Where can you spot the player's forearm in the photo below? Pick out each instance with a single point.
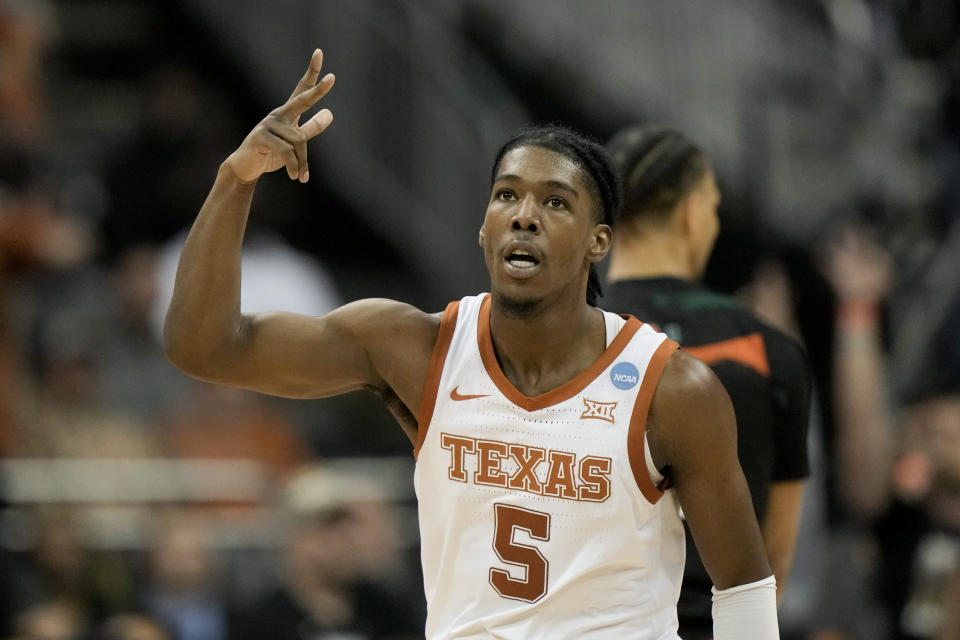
(204, 316)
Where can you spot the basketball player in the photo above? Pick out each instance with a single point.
(545, 430)
(665, 234)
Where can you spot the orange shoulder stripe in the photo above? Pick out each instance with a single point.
(638, 420)
(428, 396)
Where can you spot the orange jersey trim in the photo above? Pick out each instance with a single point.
(748, 350)
(565, 391)
(638, 421)
(428, 396)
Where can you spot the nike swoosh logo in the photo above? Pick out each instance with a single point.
(457, 397)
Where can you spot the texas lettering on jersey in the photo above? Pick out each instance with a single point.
(518, 467)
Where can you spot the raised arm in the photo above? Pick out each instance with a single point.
(861, 274)
(378, 344)
(692, 432)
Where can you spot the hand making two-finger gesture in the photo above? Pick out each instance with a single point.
(279, 140)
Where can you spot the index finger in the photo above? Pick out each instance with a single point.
(310, 76)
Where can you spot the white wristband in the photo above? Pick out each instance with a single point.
(746, 612)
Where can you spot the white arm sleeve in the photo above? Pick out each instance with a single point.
(746, 612)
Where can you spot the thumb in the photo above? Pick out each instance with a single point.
(317, 123)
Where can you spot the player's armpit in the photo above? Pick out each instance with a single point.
(692, 430)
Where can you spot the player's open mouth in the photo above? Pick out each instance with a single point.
(522, 259)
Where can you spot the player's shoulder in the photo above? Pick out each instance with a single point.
(378, 319)
(687, 385)
(687, 402)
(372, 308)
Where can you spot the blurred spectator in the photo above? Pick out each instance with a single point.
(183, 587)
(100, 369)
(134, 374)
(32, 234)
(217, 422)
(25, 30)
(61, 586)
(338, 550)
(919, 533)
(132, 626)
(861, 275)
(66, 417)
(32, 229)
(63, 563)
(898, 474)
(51, 620)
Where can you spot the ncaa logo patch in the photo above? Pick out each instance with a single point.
(624, 375)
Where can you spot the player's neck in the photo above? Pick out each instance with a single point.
(540, 352)
(649, 255)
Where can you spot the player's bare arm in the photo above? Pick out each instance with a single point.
(382, 345)
(692, 430)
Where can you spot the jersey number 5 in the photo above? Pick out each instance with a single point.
(537, 525)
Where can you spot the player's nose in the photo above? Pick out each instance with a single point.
(526, 216)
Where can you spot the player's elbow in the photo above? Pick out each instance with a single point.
(178, 350)
(186, 348)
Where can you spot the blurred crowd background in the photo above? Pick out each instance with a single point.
(137, 504)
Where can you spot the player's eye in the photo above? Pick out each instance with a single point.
(505, 194)
(556, 203)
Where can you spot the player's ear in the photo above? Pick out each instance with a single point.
(480, 237)
(600, 242)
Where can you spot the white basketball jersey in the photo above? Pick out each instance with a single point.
(538, 516)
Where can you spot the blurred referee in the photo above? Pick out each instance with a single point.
(664, 238)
